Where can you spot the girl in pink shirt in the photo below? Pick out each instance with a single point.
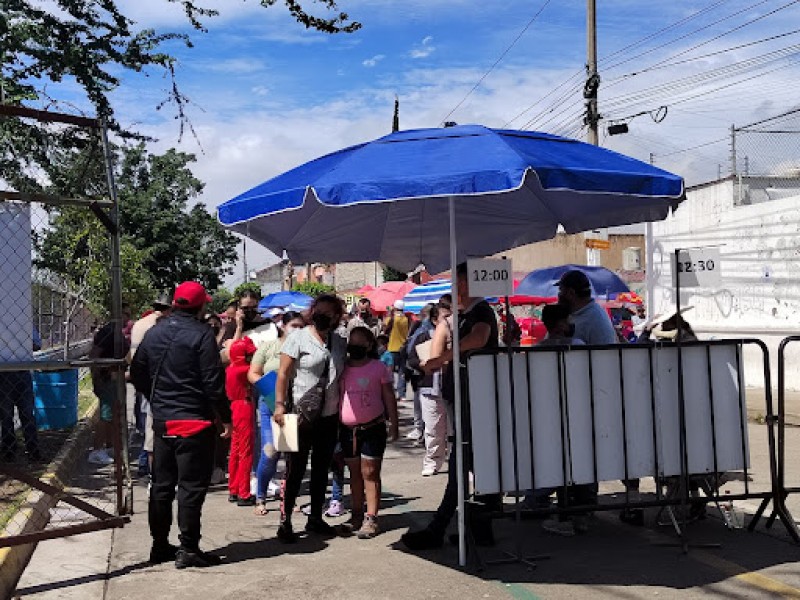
(367, 400)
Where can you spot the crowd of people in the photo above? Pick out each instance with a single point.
(211, 388)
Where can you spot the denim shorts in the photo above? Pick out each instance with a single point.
(106, 391)
(369, 442)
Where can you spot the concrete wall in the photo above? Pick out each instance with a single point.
(352, 276)
(564, 249)
(760, 264)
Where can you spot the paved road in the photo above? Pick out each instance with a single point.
(613, 560)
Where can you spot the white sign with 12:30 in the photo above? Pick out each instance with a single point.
(490, 277)
(697, 267)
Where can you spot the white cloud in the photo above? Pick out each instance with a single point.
(424, 48)
(371, 62)
(233, 66)
(260, 90)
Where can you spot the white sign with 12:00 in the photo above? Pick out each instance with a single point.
(697, 267)
(490, 277)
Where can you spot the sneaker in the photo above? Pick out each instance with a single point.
(286, 533)
(414, 434)
(369, 528)
(161, 554)
(273, 490)
(195, 558)
(565, 528)
(351, 526)
(581, 523)
(306, 510)
(149, 485)
(429, 471)
(335, 509)
(217, 476)
(100, 457)
(319, 527)
(233, 498)
(249, 501)
(424, 539)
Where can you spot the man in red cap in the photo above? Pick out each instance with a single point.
(177, 367)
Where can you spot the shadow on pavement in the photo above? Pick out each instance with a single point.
(77, 581)
(615, 554)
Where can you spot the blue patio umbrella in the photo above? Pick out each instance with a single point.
(543, 282)
(437, 196)
(283, 300)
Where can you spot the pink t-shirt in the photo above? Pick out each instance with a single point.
(362, 398)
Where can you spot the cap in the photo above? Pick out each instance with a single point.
(161, 301)
(275, 312)
(190, 294)
(399, 304)
(575, 280)
(670, 315)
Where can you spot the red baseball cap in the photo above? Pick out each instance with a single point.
(190, 294)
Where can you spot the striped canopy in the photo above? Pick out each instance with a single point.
(424, 294)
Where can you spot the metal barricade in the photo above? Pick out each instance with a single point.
(515, 457)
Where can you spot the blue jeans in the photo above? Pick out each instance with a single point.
(266, 466)
(337, 474)
(16, 390)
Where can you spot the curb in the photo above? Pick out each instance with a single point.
(36, 510)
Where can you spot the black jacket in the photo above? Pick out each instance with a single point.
(177, 367)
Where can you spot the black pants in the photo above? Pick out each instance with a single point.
(187, 463)
(318, 439)
(16, 390)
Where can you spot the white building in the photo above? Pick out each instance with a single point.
(755, 222)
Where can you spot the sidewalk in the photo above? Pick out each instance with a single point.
(613, 560)
(756, 407)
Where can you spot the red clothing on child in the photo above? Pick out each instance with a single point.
(238, 390)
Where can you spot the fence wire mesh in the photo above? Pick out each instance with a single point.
(62, 410)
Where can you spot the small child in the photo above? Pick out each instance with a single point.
(383, 352)
(239, 393)
(367, 398)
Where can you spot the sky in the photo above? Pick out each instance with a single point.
(267, 95)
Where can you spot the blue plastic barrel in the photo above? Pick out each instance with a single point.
(56, 398)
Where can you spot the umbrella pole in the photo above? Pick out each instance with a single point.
(462, 543)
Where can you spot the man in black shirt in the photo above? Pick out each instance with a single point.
(177, 366)
(477, 330)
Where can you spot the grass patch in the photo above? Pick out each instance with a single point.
(86, 397)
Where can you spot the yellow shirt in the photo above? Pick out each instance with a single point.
(399, 333)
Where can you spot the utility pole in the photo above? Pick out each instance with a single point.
(244, 258)
(592, 118)
(733, 150)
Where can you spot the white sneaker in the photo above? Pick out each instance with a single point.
(273, 489)
(428, 471)
(217, 476)
(557, 527)
(414, 434)
(100, 457)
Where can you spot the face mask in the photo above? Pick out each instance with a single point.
(356, 352)
(321, 321)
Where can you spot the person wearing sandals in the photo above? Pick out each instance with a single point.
(312, 359)
(367, 399)
(267, 359)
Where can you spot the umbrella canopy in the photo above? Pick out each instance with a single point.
(387, 293)
(425, 294)
(364, 290)
(543, 282)
(284, 300)
(509, 187)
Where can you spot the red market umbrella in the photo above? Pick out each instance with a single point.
(385, 294)
(364, 290)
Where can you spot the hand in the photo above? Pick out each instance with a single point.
(431, 365)
(394, 432)
(277, 416)
(227, 430)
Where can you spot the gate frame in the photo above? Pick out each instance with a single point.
(110, 220)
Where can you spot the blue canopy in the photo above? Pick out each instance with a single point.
(510, 188)
(294, 300)
(542, 282)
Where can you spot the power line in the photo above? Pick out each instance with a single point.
(497, 62)
(702, 56)
(697, 147)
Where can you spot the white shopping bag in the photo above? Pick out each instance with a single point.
(285, 439)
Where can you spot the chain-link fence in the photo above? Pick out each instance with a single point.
(63, 454)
